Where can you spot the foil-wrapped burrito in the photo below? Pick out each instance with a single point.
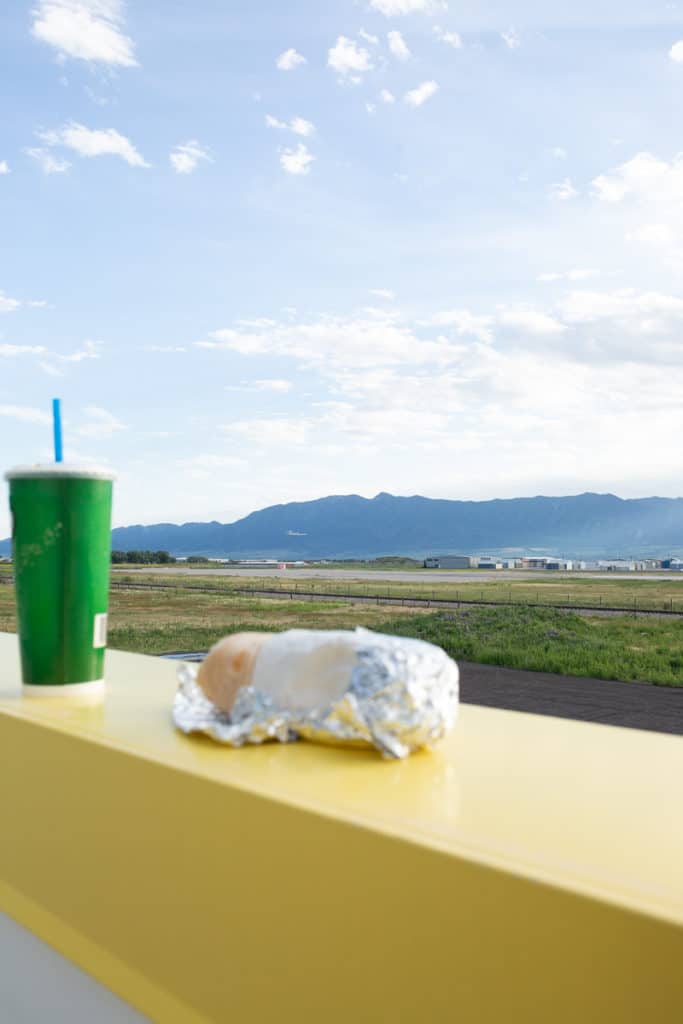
(351, 687)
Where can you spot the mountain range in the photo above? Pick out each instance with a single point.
(349, 526)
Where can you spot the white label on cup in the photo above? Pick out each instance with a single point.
(100, 630)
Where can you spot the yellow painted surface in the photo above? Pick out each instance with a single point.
(529, 870)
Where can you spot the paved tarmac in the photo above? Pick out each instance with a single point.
(636, 705)
(454, 576)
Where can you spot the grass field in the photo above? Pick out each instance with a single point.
(620, 647)
(664, 594)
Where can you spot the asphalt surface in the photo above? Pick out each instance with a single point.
(635, 705)
(632, 705)
(396, 576)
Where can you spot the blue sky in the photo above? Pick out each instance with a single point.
(267, 252)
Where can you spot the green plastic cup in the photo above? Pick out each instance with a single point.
(61, 540)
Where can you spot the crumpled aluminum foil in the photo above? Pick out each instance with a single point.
(402, 695)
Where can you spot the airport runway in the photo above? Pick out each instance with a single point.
(454, 576)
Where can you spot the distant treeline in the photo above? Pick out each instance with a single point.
(142, 557)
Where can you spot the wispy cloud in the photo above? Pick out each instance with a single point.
(100, 423)
(563, 190)
(386, 96)
(186, 156)
(676, 52)
(531, 321)
(450, 38)
(279, 386)
(393, 8)
(90, 350)
(90, 30)
(25, 414)
(4, 167)
(47, 161)
(397, 45)
(416, 97)
(289, 59)
(10, 351)
(577, 274)
(511, 39)
(296, 161)
(373, 40)
(89, 142)
(280, 432)
(7, 304)
(298, 125)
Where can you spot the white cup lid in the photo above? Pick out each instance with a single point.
(59, 469)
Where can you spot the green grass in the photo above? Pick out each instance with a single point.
(618, 647)
(545, 640)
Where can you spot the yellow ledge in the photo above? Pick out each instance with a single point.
(529, 870)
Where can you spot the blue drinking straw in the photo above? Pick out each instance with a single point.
(57, 427)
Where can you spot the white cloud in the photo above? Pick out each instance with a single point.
(370, 107)
(397, 45)
(531, 321)
(393, 8)
(329, 341)
(347, 58)
(9, 351)
(94, 142)
(577, 274)
(653, 234)
(416, 97)
(296, 161)
(559, 153)
(273, 122)
(89, 30)
(289, 60)
(452, 38)
(206, 464)
(25, 414)
(100, 423)
(387, 97)
(644, 177)
(563, 190)
(51, 369)
(49, 163)
(298, 125)
(90, 350)
(185, 157)
(511, 39)
(271, 431)
(676, 52)
(8, 305)
(382, 293)
(4, 167)
(465, 323)
(277, 386)
(637, 310)
(373, 40)
(271, 384)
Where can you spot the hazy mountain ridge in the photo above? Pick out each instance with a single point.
(346, 526)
